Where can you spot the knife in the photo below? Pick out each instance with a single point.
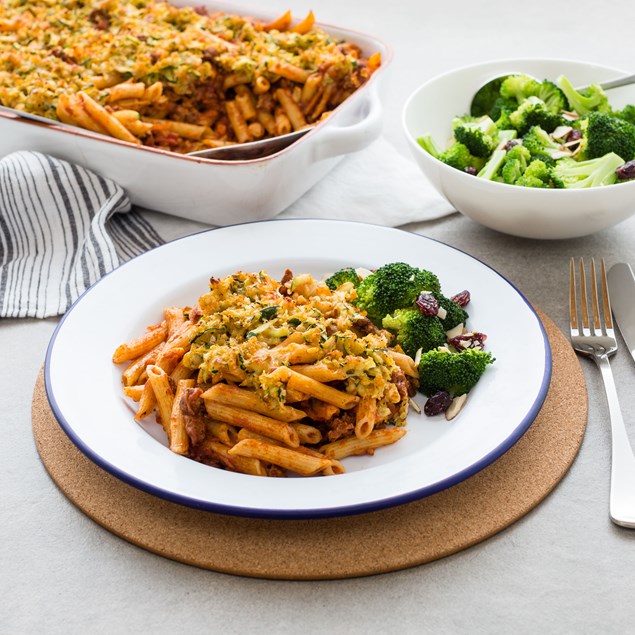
(622, 293)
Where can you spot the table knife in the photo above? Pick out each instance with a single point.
(622, 293)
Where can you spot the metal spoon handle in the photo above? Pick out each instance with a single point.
(616, 83)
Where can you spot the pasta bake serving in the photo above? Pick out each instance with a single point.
(267, 376)
(180, 79)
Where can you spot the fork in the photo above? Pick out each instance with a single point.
(596, 339)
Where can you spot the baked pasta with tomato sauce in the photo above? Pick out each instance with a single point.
(177, 78)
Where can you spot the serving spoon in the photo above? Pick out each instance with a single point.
(484, 98)
(251, 149)
(232, 152)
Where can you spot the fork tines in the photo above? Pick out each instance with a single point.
(597, 327)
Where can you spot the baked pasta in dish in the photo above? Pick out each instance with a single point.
(182, 79)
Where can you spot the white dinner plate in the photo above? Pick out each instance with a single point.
(84, 386)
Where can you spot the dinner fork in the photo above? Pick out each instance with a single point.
(596, 339)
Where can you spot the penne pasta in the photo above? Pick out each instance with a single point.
(365, 417)
(352, 445)
(266, 426)
(163, 395)
(243, 464)
(142, 344)
(179, 441)
(241, 398)
(286, 458)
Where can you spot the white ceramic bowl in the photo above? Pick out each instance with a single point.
(520, 211)
(218, 192)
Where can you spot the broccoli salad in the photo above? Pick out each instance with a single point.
(429, 327)
(542, 134)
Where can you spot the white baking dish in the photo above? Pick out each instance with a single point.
(215, 191)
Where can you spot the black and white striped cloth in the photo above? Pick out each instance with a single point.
(62, 228)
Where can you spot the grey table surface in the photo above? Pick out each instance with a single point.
(562, 568)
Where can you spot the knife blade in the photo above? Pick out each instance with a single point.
(621, 281)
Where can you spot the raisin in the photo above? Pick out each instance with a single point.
(468, 340)
(574, 135)
(428, 304)
(471, 170)
(437, 403)
(626, 171)
(462, 299)
(510, 144)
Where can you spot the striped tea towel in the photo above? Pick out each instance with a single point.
(62, 228)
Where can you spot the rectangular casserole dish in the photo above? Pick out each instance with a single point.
(218, 192)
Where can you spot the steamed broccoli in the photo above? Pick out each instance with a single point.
(393, 286)
(539, 143)
(414, 330)
(568, 173)
(555, 100)
(534, 112)
(588, 100)
(459, 157)
(604, 134)
(454, 314)
(479, 135)
(537, 174)
(492, 167)
(519, 87)
(428, 144)
(456, 373)
(627, 113)
(348, 274)
(502, 106)
(515, 164)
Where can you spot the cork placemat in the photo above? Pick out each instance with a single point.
(371, 543)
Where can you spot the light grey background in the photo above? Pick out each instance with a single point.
(563, 568)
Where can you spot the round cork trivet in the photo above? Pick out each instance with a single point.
(350, 546)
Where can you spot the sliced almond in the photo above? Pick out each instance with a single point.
(362, 272)
(455, 332)
(442, 314)
(418, 356)
(561, 132)
(559, 154)
(415, 406)
(455, 407)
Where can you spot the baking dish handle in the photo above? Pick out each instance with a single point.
(340, 140)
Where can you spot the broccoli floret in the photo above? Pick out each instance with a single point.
(568, 173)
(457, 373)
(348, 274)
(555, 100)
(515, 164)
(428, 144)
(459, 157)
(588, 100)
(537, 174)
(393, 286)
(519, 87)
(604, 134)
(530, 181)
(480, 136)
(502, 106)
(534, 112)
(454, 314)
(627, 113)
(539, 143)
(414, 330)
(492, 167)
